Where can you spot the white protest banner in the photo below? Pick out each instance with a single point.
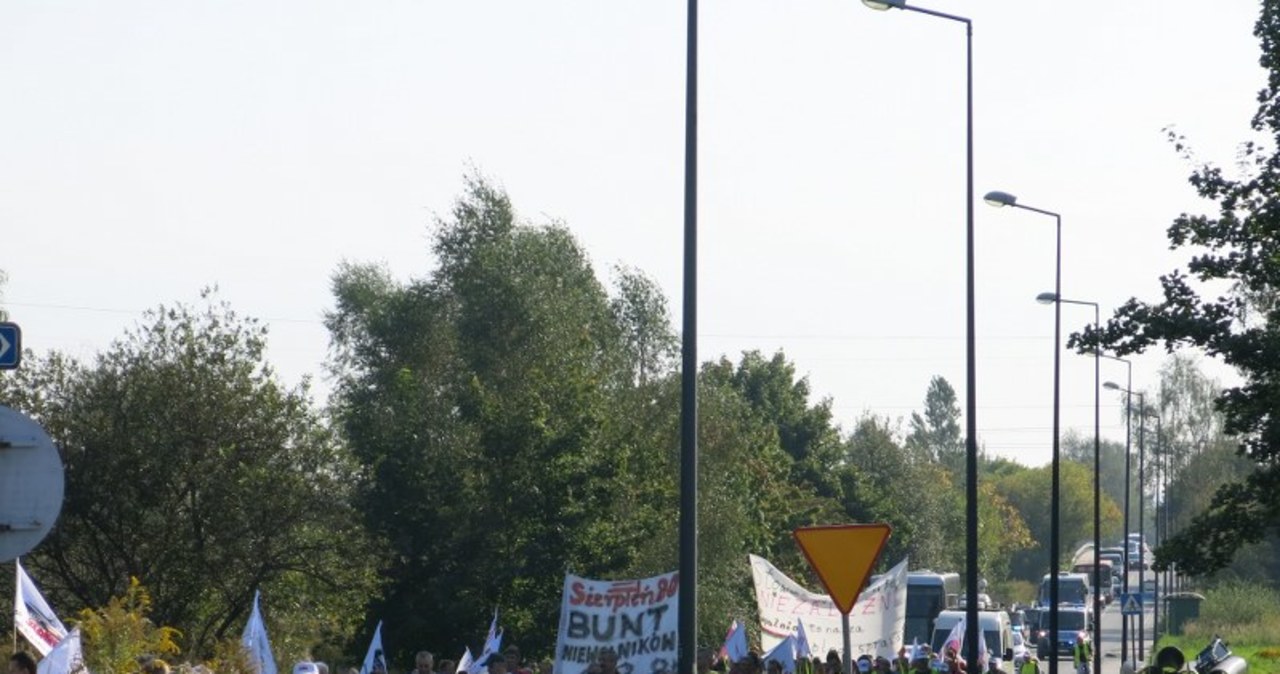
(636, 618)
(875, 624)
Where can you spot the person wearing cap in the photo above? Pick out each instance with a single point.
(1030, 665)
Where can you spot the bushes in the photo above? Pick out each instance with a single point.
(1243, 614)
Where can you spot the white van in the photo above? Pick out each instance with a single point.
(996, 629)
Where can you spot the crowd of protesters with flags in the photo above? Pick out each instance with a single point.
(792, 656)
(61, 648)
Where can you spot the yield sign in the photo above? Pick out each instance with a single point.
(842, 555)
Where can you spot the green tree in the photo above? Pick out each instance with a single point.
(192, 469)
(1028, 492)
(494, 405)
(1078, 449)
(1238, 247)
(885, 482)
(936, 434)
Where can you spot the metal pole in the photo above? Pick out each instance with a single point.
(972, 626)
(1155, 615)
(1055, 533)
(1142, 496)
(848, 643)
(1128, 487)
(687, 643)
(1097, 498)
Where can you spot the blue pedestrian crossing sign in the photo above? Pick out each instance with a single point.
(10, 346)
(1131, 604)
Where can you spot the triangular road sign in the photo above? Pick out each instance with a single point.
(1132, 605)
(842, 555)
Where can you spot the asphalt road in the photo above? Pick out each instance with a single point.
(1111, 633)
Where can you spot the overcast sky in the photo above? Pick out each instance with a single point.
(151, 148)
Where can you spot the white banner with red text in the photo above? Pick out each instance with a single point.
(875, 623)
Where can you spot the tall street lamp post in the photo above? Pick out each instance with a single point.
(1001, 199)
(1137, 651)
(972, 629)
(687, 616)
(1159, 534)
(1046, 298)
(1124, 620)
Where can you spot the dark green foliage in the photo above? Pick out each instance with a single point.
(1239, 248)
(190, 468)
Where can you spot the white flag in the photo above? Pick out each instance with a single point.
(465, 662)
(374, 660)
(492, 646)
(65, 658)
(32, 616)
(255, 641)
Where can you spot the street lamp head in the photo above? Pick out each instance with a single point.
(997, 198)
(1047, 298)
(1111, 386)
(882, 5)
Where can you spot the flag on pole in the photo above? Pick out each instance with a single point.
(465, 662)
(785, 654)
(735, 643)
(955, 639)
(492, 646)
(374, 660)
(32, 616)
(255, 640)
(65, 658)
(802, 641)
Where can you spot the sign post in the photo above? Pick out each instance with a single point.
(843, 555)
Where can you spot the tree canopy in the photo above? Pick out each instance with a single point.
(1225, 303)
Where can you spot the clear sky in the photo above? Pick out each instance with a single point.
(154, 147)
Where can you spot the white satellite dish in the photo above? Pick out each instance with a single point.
(31, 484)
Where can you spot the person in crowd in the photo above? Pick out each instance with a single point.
(834, 664)
(594, 668)
(447, 667)
(22, 663)
(1082, 653)
(881, 665)
(1030, 665)
(512, 655)
(608, 661)
(773, 666)
(424, 663)
(995, 666)
(864, 664)
(818, 667)
(497, 664)
(702, 661)
(154, 666)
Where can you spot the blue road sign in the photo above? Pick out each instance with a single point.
(1131, 604)
(10, 346)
